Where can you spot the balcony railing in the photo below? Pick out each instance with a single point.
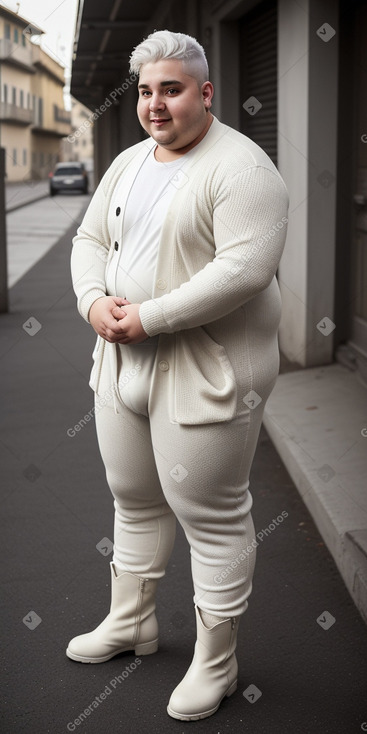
(61, 115)
(13, 113)
(15, 54)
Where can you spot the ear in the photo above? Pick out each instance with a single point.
(207, 91)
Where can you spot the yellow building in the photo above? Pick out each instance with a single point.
(79, 145)
(32, 116)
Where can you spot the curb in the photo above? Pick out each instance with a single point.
(307, 445)
(26, 203)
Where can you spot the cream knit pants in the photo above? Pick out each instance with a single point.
(159, 471)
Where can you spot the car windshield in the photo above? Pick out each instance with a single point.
(68, 171)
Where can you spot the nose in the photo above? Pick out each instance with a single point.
(156, 103)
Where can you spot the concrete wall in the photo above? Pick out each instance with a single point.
(307, 159)
(293, 84)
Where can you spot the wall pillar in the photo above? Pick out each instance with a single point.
(307, 159)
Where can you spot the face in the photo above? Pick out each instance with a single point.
(172, 108)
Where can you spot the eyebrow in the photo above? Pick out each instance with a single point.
(162, 84)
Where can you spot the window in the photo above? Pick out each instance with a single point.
(7, 30)
(21, 98)
(28, 101)
(24, 156)
(42, 159)
(14, 95)
(40, 113)
(14, 156)
(16, 35)
(23, 39)
(5, 92)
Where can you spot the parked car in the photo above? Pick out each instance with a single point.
(70, 176)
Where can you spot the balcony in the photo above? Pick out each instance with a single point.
(13, 113)
(61, 115)
(16, 55)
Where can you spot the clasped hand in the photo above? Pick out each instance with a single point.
(115, 324)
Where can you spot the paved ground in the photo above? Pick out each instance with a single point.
(302, 642)
(34, 228)
(317, 420)
(18, 194)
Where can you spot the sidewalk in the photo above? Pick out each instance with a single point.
(302, 642)
(20, 194)
(317, 420)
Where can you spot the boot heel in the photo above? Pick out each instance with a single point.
(232, 689)
(146, 648)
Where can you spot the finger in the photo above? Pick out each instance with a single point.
(121, 301)
(117, 313)
(114, 327)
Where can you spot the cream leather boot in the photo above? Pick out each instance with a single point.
(212, 674)
(130, 625)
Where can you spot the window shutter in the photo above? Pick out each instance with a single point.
(258, 59)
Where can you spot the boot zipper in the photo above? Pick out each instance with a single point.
(138, 608)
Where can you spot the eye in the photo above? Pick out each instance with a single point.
(172, 91)
(144, 93)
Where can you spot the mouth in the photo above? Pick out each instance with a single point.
(159, 121)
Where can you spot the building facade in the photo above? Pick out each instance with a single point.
(32, 116)
(78, 146)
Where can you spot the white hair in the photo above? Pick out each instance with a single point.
(168, 45)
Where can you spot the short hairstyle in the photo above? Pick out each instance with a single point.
(168, 45)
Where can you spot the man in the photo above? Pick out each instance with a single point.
(174, 267)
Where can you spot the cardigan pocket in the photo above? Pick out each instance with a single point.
(205, 388)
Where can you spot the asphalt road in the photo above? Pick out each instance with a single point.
(302, 645)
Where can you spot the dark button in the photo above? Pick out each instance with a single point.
(116, 245)
(118, 211)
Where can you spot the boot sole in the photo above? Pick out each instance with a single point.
(204, 714)
(144, 648)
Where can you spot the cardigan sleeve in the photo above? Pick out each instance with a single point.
(249, 229)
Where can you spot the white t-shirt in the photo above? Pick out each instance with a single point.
(131, 271)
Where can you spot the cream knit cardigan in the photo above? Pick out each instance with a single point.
(216, 302)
